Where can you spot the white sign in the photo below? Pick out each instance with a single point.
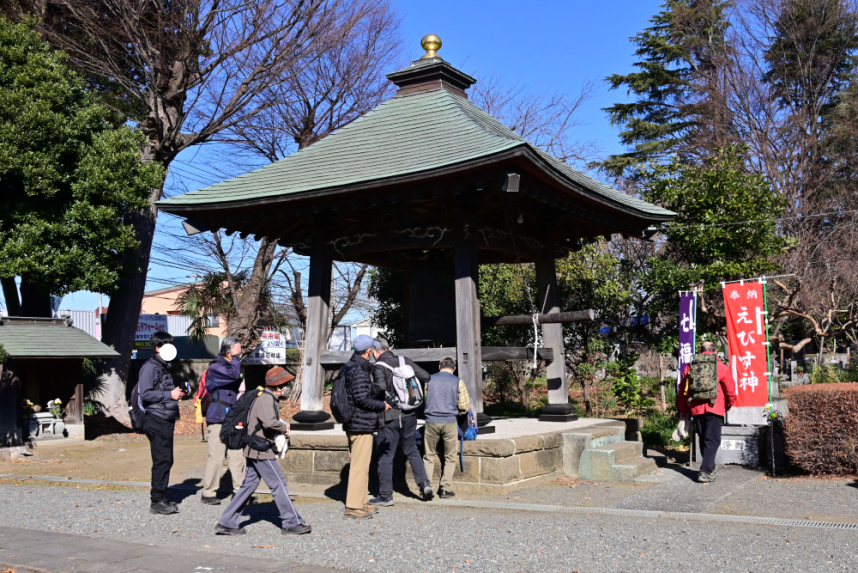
(147, 325)
(271, 349)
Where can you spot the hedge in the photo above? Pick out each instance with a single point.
(821, 431)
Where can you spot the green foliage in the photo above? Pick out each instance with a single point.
(658, 428)
(718, 194)
(628, 390)
(385, 286)
(674, 53)
(91, 407)
(70, 172)
(209, 297)
(823, 374)
(3, 355)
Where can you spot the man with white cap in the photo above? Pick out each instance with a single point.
(360, 427)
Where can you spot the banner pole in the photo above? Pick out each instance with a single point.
(768, 340)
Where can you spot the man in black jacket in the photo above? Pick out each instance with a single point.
(360, 427)
(398, 426)
(159, 398)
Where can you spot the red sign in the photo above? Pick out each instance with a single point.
(746, 336)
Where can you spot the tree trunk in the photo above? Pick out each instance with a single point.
(588, 404)
(123, 314)
(661, 384)
(244, 323)
(34, 301)
(10, 293)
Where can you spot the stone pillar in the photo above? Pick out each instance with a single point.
(558, 408)
(468, 344)
(311, 416)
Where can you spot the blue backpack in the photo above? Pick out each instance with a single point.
(468, 431)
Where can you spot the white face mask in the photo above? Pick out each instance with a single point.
(168, 352)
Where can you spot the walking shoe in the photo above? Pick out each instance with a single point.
(172, 504)
(381, 500)
(370, 508)
(221, 530)
(428, 494)
(705, 478)
(714, 471)
(445, 493)
(209, 500)
(297, 530)
(163, 508)
(357, 514)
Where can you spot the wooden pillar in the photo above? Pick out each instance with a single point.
(311, 416)
(558, 408)
(468, 344)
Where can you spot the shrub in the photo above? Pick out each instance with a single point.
(821, 430)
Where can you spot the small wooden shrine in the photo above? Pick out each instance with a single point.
(429, 184)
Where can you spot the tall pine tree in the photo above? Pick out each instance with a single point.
(677, 105)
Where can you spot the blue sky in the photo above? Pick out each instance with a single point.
(547, 45)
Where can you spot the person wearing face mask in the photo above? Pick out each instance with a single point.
(160, 400)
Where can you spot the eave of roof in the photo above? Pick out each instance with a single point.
(422, 134)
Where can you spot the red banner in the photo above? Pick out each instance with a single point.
(746, 336)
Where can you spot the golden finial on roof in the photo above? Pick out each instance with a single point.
(431, 43)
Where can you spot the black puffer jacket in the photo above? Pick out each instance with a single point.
(365, 419)
(382, 382)
(154, 388)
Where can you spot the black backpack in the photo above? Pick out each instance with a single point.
(342, 405)
(233, 433)
(136, 411)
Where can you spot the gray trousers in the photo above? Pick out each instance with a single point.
(269, 470)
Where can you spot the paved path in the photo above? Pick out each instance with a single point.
(28, 550)
(433, 537)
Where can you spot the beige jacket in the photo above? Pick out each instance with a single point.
(265, 410)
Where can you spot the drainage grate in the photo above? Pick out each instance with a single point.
(712, 517)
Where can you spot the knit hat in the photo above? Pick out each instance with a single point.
(278, 376)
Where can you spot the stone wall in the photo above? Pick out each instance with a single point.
(490, 464)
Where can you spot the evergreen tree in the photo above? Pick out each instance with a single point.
(70, 172)
(675, 90)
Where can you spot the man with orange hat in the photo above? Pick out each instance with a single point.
(264, 417)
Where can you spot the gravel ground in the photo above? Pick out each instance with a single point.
(410, 538)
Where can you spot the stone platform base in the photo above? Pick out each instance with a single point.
(520, 450)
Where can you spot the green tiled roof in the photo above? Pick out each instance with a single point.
(405, 135)
(49, 338)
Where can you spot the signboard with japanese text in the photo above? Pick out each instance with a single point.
(746, 337)
(271, 349)
(147, 325)
(687, 327)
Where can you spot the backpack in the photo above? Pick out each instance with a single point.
(468, 431)
(136, 410)
(703, 378)
(203, 396)
(233, 433)
(342, 405)
(407, 390)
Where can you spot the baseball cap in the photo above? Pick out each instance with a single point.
(363, 342)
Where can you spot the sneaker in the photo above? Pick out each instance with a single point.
(163, 508)
(705, 478)
(445, 493)
(382, 500)
(297, 530)
(209, 500)
(357, 514)
(221, 530)
(428, 494)
(173, 504)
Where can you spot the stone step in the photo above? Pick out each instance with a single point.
(630, 469)
(600, 463)
(579, 440)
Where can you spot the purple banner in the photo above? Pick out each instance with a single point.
(686, 330)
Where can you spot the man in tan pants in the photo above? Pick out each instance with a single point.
(223, 380)
(360, 427)
(446, 397)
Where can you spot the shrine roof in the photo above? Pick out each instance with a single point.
(423, 132)
(49, 338)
